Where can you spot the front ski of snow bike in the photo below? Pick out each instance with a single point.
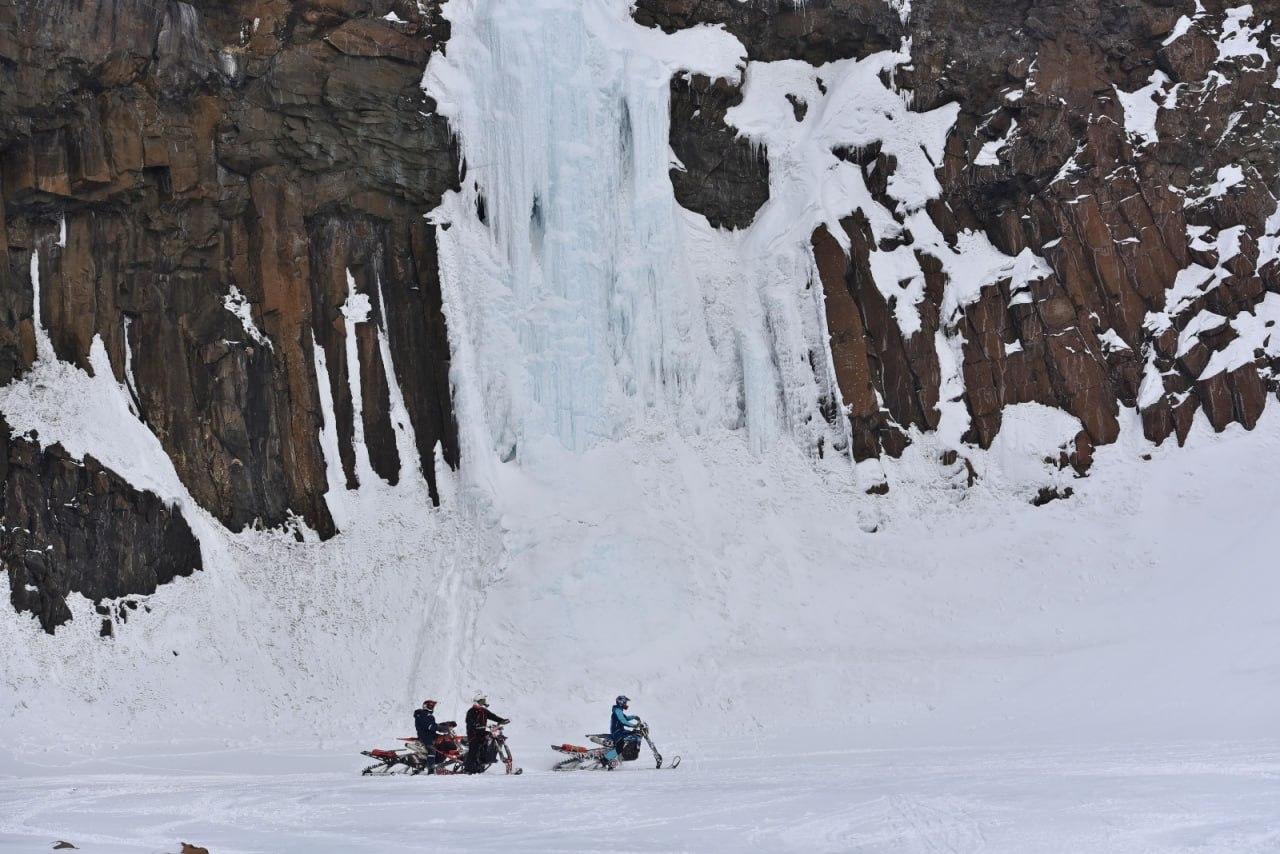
(495, 749)
(657, 757)
(508, 761)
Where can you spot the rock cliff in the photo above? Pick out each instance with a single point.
(201, 181)
(1129, 146)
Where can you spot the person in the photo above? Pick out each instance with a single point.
(424, 722)
(622, 729)
(478, 717)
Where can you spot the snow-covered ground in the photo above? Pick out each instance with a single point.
(808, 793)
(1140, 612)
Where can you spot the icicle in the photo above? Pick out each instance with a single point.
(336, 496)
(446, 486)
(44, 344)
(131, 385)
(356, 310)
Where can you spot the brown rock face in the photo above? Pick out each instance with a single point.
(204, 156)
(1142, 231)
(874, 361)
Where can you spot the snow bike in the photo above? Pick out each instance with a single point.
(499, 751)
(448, 748)
(592, 758)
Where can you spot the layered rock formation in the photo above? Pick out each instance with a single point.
(201, 182)
(1129, 147)
(75, 526)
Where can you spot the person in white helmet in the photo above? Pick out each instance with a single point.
(478, 717)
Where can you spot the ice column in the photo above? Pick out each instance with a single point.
(593, 319)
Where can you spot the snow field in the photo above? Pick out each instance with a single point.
(792, 795)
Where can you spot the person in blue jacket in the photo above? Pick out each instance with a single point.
(622, 728)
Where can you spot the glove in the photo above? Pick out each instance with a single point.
(504, 721)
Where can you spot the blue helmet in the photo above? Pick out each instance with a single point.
(622, 700)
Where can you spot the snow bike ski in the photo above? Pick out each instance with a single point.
(593, 758)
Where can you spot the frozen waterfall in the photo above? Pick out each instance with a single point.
(584, 302)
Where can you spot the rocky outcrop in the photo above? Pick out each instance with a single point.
(73, 526)
(198, 180)
(721, 175)
(1129, 147)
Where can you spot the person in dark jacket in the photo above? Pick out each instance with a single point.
(622, 728)
(478, 717)
(424, 721)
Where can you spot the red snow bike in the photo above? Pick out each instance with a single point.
(593, 758)
(450, 751)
